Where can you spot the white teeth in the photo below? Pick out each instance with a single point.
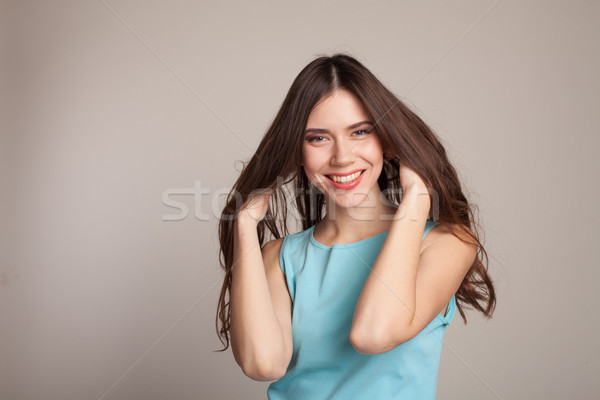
(347, 178)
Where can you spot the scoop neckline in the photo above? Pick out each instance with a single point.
(342, 245)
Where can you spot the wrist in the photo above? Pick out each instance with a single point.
(416, 203)
(415, 189)
(245, 221)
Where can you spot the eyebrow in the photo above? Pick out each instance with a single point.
(353, 126)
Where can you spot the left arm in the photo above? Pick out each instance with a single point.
(409, 284)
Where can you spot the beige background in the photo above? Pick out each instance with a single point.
(108, 105)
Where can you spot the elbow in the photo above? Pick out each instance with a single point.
(377, 341)
(260, 365)
(263, 371)
(261, 374)
(367, 342)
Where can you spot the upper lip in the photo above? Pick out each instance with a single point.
(345, 173)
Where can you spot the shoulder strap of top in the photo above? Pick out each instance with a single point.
(292, 254)
(451, 307)
(428, 226)
(281, 257)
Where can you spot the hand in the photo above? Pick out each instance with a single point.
(409, 179)
(415, 192)
(255, 208)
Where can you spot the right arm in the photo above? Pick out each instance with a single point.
(260, 304)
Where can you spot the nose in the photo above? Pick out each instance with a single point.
(343, 153)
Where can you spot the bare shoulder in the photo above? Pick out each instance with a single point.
(453, 238)
(271, 249)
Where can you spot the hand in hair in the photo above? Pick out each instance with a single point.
(410, 179)
(255, 208)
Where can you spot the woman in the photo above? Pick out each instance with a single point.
(356, 304)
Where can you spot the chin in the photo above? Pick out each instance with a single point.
(348, 200)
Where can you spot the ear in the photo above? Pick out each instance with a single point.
(388, 155)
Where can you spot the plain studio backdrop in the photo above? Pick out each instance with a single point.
(115, 111)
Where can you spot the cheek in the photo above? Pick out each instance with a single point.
(304, 157)
(377, 144)
(375, 151)
(312, 160)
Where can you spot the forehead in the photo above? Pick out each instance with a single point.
(341, 108)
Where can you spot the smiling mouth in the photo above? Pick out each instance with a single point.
(346, 178)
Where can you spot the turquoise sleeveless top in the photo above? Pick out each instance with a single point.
(324, 284)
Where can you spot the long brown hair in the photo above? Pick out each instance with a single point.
(276, 165)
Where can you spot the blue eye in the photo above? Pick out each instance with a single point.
(361, 132)
(315, 139)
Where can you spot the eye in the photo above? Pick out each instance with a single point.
(313, 139)
(362, 132)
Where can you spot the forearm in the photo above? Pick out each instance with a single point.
(388, 298)
(256, 335)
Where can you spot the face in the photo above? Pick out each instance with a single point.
(341, 153)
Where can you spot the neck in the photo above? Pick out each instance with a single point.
(372, 216)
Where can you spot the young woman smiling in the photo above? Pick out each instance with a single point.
(356, 304)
